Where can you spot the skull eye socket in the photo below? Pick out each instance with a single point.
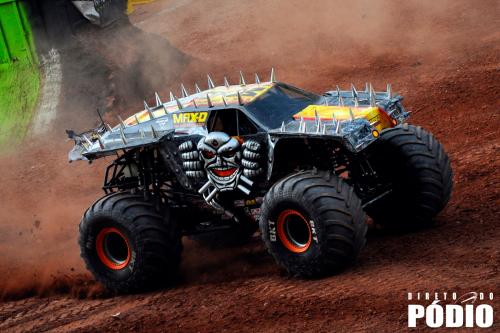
(208, 154)
(228, 154)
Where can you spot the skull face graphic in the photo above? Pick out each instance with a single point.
(221, 155)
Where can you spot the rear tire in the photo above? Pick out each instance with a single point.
(416, 164)
(312, 223)
(127, 244)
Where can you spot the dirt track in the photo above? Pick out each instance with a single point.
(444, 58)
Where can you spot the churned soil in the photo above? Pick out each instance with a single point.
(444, 57)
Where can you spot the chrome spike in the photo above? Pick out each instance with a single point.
(184, 91)
(99, 139)
(326, 101)
(283, 127)
(197, 88)
(88, 140)
(337, 127)
(164, 109)
(109, 128)
(242, 79)
(356, 101)
(341, 101)
(373, 97)
(194, 103)
(122, 135)
(257, 79)
(273, 76)
(302, 125)
(143, 135)
(389, 90)
(319, 124)
(158, 100)
(150, 112)
(136, 119)
(354, 91)
(211, 84)
(154, 134)
(224, 101)
(316, 117)
(351, 115)
(240, 99)
(226, 82)
(338, 91)
(324, 129)
(179, 104)
(172, 98)
(209, 102)
(122, 123)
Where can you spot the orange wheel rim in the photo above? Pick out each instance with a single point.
(113, 248)
(294, 231)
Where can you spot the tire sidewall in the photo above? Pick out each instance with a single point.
(93, 227)
(269, 230)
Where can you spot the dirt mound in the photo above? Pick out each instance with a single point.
(436, 54)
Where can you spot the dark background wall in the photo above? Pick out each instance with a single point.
(55, 21)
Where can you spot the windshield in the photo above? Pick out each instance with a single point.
(279, 104)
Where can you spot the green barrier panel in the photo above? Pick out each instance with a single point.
(16, 39)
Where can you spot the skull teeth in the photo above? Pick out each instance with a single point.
(223, 173)
(224, 168)
(222, 179)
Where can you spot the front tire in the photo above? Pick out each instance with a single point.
(419, 169)
(312, 223)
(127, 244)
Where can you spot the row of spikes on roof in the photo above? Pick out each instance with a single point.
(154, 135)
(185, 93)
(211, 85)
(340, 100)
(372, 96)
(320, 126)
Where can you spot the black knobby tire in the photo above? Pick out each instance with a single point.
(420, 172)
(332, 211)
(128, 244)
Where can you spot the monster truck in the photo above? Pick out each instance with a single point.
(303, 167)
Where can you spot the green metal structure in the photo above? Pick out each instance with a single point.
(16, 39)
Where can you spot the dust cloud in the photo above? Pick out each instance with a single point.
(44, 197)
(297, 31)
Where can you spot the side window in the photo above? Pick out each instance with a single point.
(232, 122)
(223, 121)
(245, 125)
